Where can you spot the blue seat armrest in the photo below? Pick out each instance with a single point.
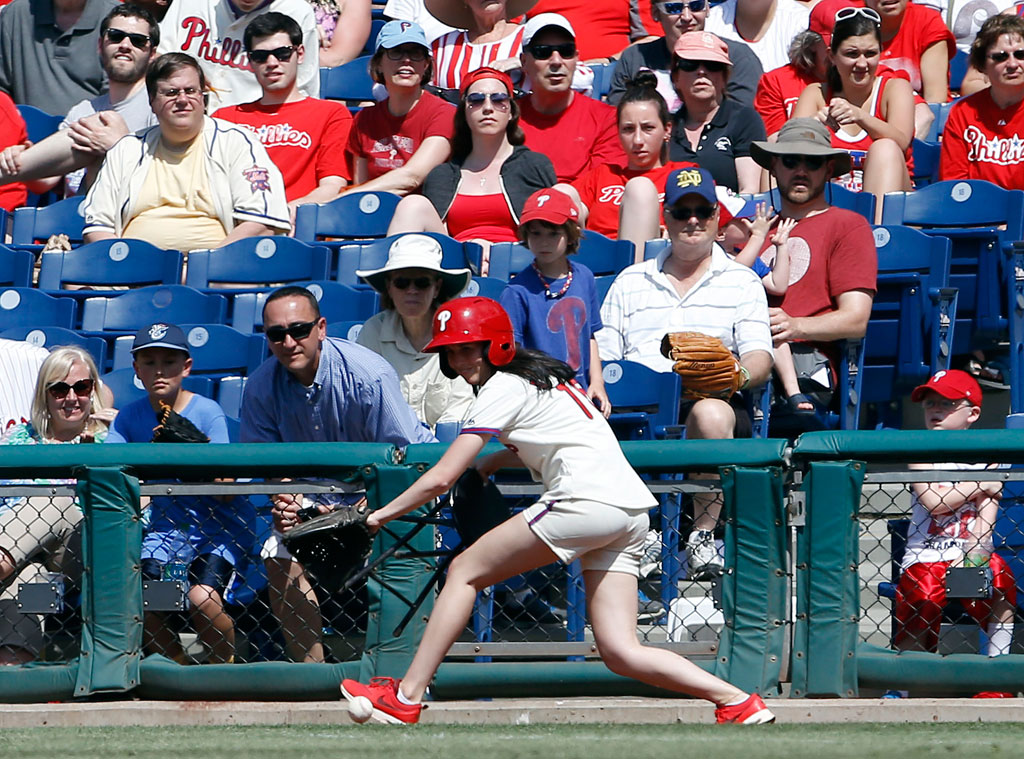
(887, 590)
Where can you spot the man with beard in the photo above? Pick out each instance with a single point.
(127, 43)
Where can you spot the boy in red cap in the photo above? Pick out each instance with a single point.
(951, 525)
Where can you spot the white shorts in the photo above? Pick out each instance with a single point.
(273, 548)
(603, 537)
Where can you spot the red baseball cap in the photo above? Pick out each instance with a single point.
(485, 73)
(549, 205)
(951, 384)
(823, 16)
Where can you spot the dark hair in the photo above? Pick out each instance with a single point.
(131, 10)
(801, 51)
(293, 291)
(270, 23)
(643, 88)
(569, 227)
(376, 76)
(167, 65)
(989, 34)
(853, 26)
(537, 368)
(462, 141)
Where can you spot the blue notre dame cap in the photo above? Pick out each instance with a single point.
(395, 33)
(160, 335)
(683, 182)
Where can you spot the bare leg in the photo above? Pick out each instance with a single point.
(12, 656)
(415, 213)
(159, 639)
(786, 372)
(569, 190)
(506, 551)
(611, 603)
(709, 419)
(296, 608)
(214, 626)
(885, 170)
(639, 214)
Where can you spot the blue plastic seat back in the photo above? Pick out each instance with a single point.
(215, 349)
(32, 227)
(926, 161)
(644, 402)
(133, 310)
(27, 307)
(360, 215)
(259, 262)
(373, 254)
(229, 396)
(337, 302)
(38, 123)
(110, 263)
(941, 112)
(127, 387)
(862, 203)
(350, 81)
(598, 253)
(346, 330)
(51, 337)
(15, 267)
(485, 287)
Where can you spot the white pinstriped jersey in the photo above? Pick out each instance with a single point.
(19, 367)
(727, 302)
(454, 56)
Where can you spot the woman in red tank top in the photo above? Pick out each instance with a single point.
(870, 116)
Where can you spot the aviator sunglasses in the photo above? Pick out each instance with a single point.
(1001, 55)
(498, 99)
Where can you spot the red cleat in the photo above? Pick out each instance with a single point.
(383, 695)
(749, 712)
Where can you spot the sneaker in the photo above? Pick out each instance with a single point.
(994, 694)
(749, 712)
(647, 609)
(650, 558)
(702, 556)
(383, 694)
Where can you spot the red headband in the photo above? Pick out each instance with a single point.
(485, 73)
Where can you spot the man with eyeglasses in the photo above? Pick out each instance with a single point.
(305, 137)
(692, 286)
(315, 389)
(190, 182)
(833, 263)
(48, 52)
(128, 38)
(212, 32)
(576, 132)
(676, 18)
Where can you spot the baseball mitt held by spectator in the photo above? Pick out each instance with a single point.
(332, 547)
(707, 368)
(174, 428)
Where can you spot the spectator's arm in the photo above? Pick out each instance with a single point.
(759, 365)
(326, 190)
(94, 135)
(748, 175)
(850, 319)
(247, 229)
(974, 81)
(350, 34)
(432, 152)
(935, 72)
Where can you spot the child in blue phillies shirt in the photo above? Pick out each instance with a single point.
(553, 303)
(209, 534)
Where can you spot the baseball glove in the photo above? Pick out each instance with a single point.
(707, 368)
(174, 428)
(332, 547)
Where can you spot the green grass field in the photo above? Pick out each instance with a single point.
(861, 741)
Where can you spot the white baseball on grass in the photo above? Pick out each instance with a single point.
(360, 709)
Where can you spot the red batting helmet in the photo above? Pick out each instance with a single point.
(472, 320)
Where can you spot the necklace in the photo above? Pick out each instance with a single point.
(547, 288)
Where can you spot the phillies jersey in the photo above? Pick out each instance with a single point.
(983, 141)
(939, 537)
(561, 438)
(19, 367)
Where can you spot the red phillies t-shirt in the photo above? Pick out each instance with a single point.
(983, 141)
(601, 191)
(579, 138)
(305, 139)
(920, 29)
(12, 132)
(777, 93)
(387, 141)
(601, 26)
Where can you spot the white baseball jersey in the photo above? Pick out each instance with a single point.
(19, 367)
(561, 438)
(212, 32)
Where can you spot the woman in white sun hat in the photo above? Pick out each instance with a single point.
(412, 286)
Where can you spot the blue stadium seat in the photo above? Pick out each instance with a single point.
(485, 287)
(984, 223)
(216, 349)
(109, 263)
(376, 22)
(346, 330)
(958, 69)
(926, 162)
(645, 403)
(361, 215)
(598, 253)
(361, 256)
(51, 337)
(257, 262)
(26, 307)
(603, 284)
(38, 122)
(602, 79)
(350, 81)
(229, 396)
(338, 303)
(32, 227)
(653, 248)
(127, 388)
(133, 310)
(15, 267)
(837, 195)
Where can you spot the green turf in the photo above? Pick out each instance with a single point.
(861, 741)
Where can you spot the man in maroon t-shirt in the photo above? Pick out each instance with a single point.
(576, 132)
(833, 263)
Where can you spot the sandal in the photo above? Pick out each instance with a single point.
(793, 403)
(990, 374)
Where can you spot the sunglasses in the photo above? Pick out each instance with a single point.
(412, 52)
(812, 162)
(867, 13)
(1002, 55)
(297, 331)
(685, 213)
(675, 9)
(498, 99)
(403, 283)
(59, 390)
(543, 52)
(283, 54)
(690, 66)
(116, 37)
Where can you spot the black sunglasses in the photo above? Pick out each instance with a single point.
(59, 390)
(414, 53)
(683, 213)
(812, 162)
(116, 37)
(543, 52)
(690, 66)
(297, 331)
(403, 283)
(498, 99)
(283, 54)
(1001, 55)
